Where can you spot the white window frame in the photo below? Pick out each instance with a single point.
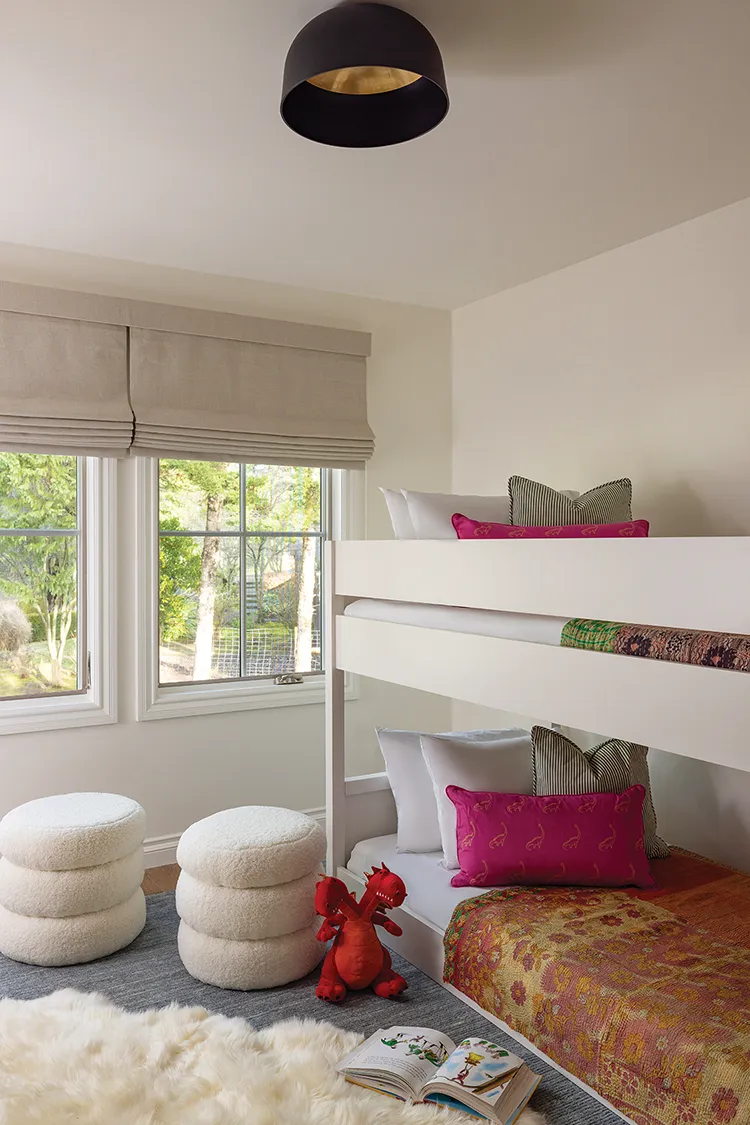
(171, 701)
(97, 705)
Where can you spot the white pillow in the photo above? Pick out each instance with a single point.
(430, 512)
(500, 766)
(398, 510)
(416, 808)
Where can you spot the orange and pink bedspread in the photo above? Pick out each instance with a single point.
(645, 995)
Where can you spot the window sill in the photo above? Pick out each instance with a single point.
(26, 716)
(215, 699)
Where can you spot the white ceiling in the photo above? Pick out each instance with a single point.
(150, 131)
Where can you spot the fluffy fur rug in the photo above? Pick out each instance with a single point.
(74, 1057)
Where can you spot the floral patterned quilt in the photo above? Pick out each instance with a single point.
(679, 646)
(645, 995)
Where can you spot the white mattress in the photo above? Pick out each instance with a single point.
(457, 619)
(428, 885)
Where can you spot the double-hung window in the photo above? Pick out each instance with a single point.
(231, 585)
(55, 551)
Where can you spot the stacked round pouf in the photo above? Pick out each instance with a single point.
(245, 897)
(70, 878)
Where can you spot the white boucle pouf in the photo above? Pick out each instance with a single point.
(62, 894)
(252, 846)
(246, 897)
(70, 878)
(72, 830)
(262, 912)
(71, 941)
(247, 965)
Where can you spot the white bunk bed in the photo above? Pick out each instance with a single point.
(391, 614)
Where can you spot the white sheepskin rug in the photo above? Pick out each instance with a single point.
(75, 1058)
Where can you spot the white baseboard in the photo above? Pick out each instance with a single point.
(161, 850)
(317, 814)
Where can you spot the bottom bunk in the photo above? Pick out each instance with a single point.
(429, 891)
(644, 996)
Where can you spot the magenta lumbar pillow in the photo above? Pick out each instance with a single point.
(473, 529)
(593, 840)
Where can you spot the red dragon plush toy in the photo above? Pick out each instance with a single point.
(357, 959)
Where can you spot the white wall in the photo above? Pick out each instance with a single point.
(635, 363)
(183, 769)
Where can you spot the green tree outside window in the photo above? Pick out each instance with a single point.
(38, 573)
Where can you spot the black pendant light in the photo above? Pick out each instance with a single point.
(362, 75)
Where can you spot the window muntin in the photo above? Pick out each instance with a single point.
(240, 570)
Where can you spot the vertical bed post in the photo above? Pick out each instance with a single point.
(335, 726)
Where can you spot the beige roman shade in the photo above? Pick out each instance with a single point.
(107, 376)
(235, 400)
(63, 386)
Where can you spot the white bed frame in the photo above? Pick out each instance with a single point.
(697, 583)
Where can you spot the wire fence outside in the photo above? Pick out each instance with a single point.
(269, 653)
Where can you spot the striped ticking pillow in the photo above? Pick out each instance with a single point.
(560, 767)
(534, 505)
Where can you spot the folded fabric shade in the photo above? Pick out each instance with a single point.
(233, 400)
(63, 386)
(83, 375)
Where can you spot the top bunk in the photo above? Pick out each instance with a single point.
(689, 583)
(502, 648)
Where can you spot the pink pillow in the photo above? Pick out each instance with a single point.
(594, 840)
(474, 529)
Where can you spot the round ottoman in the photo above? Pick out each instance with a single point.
(246, 915)
(72, 940)
(70, 878)
(245, 897)
(266, 963)
(72, 830)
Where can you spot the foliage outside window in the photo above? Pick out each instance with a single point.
(239, 570)
(41, 569)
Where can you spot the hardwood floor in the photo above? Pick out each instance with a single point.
(159, 879)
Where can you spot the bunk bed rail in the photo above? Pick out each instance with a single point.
(696, 583)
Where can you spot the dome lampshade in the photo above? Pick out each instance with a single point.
(363, 75)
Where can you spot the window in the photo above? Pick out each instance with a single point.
(239, 570)
(42, 576)
(230, 584)
(53, 560)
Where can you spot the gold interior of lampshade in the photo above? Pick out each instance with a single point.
(364, 79)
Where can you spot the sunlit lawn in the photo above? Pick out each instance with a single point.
(24, 675)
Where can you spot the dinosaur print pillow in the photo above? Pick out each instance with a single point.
(591, 840)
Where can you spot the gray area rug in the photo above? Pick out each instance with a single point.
(149, 974)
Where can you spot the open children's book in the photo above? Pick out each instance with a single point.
(418, 1064)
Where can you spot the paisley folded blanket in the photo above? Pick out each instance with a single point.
(645, 995)
(680, 646)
